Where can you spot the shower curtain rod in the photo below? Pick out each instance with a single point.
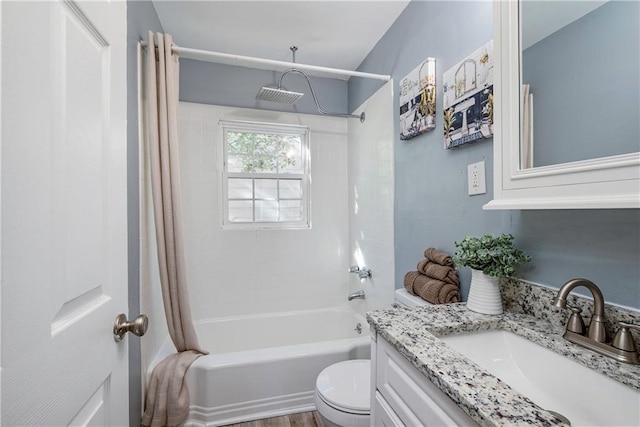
(209, 56)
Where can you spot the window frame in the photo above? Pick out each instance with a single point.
(305, 177)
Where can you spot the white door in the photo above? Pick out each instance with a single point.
(63, 212)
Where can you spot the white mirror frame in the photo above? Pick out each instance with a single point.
(608, 182)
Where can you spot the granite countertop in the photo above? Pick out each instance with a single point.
(488, 400)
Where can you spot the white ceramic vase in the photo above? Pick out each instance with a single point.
(484, 294)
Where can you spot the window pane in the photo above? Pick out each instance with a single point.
(290, 210)
(240, 188)
(290, 189)
(266, 189)
(240, 143)
(265, 144)
(263, 164)
(290, 155)
(238, 163)
(266, 210)
(240, 211)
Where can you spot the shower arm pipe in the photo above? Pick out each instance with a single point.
(315, 98)
(210, 56)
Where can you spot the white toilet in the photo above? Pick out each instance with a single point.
(343, 389)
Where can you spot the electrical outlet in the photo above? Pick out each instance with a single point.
(475, 175)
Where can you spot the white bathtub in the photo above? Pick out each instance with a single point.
(266, 365)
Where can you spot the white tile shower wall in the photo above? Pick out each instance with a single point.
(371, 184)
(236, 272)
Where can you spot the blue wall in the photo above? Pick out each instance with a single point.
(596, 60)
(141, 17)
(432, 207)
(219, 84)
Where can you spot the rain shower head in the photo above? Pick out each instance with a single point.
(283, 96)
(278, 94)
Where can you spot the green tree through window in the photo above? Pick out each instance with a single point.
(263, 152)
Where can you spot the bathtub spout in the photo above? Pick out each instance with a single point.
(354, 295)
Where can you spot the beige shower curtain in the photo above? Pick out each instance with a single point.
(167, 402)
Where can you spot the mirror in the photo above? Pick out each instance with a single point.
(581, 145)
(580, 70)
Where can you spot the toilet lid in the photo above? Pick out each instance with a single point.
(345, 385)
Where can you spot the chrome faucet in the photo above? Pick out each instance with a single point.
(595, 337)
(362, 273)
(354, 295)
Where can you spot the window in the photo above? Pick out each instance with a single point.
(265, 175)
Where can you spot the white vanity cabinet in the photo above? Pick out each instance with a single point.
(402, 396)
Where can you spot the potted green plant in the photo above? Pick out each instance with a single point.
(490, 258)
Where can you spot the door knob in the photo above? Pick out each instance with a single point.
(137, 326)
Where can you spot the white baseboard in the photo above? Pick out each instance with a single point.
(249, 411)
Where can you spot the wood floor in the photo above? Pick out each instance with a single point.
(303, 419)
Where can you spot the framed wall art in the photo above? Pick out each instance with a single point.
(418, 100)
(467, 98)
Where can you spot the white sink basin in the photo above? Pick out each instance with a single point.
(553, 382)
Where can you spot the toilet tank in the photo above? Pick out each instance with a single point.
(404, 299)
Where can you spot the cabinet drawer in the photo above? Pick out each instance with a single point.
(415, 399)
(383, 414)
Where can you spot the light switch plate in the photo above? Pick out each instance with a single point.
(477, 182)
